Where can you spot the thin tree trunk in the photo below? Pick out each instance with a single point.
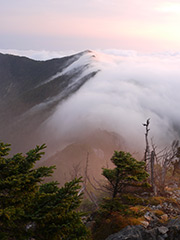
(147, 150)
(164, 171)
(115, 190)
(152, 172)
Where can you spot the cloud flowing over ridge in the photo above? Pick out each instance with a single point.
(129, 88)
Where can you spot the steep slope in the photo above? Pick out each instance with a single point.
(31, 90)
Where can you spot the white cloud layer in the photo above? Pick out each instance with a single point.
(130, 88)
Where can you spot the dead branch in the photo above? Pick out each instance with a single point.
(147, 149)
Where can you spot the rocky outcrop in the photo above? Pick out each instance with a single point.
(171, 231)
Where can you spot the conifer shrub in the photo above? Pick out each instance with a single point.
(131, 199)
(31, 209)
(128, 172)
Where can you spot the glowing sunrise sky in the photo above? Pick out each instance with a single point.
(142, 25)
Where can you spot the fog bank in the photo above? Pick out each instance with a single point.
(129, 88)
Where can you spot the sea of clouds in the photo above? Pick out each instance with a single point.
(129, 88)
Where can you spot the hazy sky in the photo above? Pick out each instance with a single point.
(143, 25)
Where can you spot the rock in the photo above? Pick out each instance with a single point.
(174, 229)
(161, 238)
(145, 224)
(163, 230)
(169, 232)
(164, 217)
(150, 216)
(128, 233)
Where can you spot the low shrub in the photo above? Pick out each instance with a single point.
(131, 199)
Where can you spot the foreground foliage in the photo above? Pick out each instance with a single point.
(121, 209)
(128, 172)
(30, 209)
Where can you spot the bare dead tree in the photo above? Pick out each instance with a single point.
(169, 159)
(165, 159)
(102, 187)
(87, 184)
(176, 164)
(149, 156)
(89, 193)
(76, 173)
(147, 148)
(152, 172)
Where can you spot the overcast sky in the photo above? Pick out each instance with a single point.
(61, 25)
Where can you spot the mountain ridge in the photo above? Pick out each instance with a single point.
(28, 98)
